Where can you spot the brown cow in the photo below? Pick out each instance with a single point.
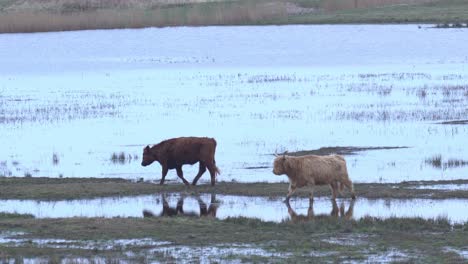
(311, 170)
(173, 153)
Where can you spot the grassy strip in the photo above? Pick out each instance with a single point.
(338, 150)
(419, 239)
(82, 188)
(79, 15)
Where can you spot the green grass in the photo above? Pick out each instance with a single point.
(14, 216)
(81, 188)
(337, 239)
(78, 15)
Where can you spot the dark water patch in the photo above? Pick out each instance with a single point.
(339, 150)
(454, 122)
(257, 167)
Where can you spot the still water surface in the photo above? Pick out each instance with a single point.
(223, 206)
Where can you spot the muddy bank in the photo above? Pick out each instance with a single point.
(81, 188)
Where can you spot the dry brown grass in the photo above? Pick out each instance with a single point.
(334, 5)
(95, 15)
(60, 15)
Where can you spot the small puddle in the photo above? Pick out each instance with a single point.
(150, 247)
(224, 206)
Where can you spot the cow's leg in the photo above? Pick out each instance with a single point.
(291, 212)
(350, 187)
(201, 170)
(203, 207)
(311, 189)
(350, 212)
(165, 169)
(334, 187)
(342, 207)
(181, 175)
(212, 170)
(310, 210)
(291, 190)
(166, 209)
(180, 205)
(213, 208)
(335, 211)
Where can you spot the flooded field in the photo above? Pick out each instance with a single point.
(391, 98)
(71, 106)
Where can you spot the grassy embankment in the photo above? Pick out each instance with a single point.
(323, 239)
(48, 15)
(81, 188)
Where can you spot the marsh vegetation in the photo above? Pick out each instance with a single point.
(171, 239)
(33, 16)
(396, 109)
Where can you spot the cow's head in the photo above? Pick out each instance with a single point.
(278, 165)
(148, 156)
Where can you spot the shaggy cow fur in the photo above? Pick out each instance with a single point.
(173, 153)
(313, 170)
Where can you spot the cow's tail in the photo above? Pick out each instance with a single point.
(217, 171)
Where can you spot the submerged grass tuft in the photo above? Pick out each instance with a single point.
(6, 216)
(435, 161)
(122, 158)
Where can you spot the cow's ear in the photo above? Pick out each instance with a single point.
(147, 147)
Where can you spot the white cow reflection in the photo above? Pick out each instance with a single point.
(335, 212)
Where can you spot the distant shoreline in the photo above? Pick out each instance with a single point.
(69, 15)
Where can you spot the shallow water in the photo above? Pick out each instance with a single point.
(70, 100)
(224, 206)
(462, 187)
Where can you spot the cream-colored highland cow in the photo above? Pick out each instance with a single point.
(311, 170)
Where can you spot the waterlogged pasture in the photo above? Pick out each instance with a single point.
(71, 102)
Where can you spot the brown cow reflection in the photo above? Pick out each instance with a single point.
(167, 210)
(335, 212)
